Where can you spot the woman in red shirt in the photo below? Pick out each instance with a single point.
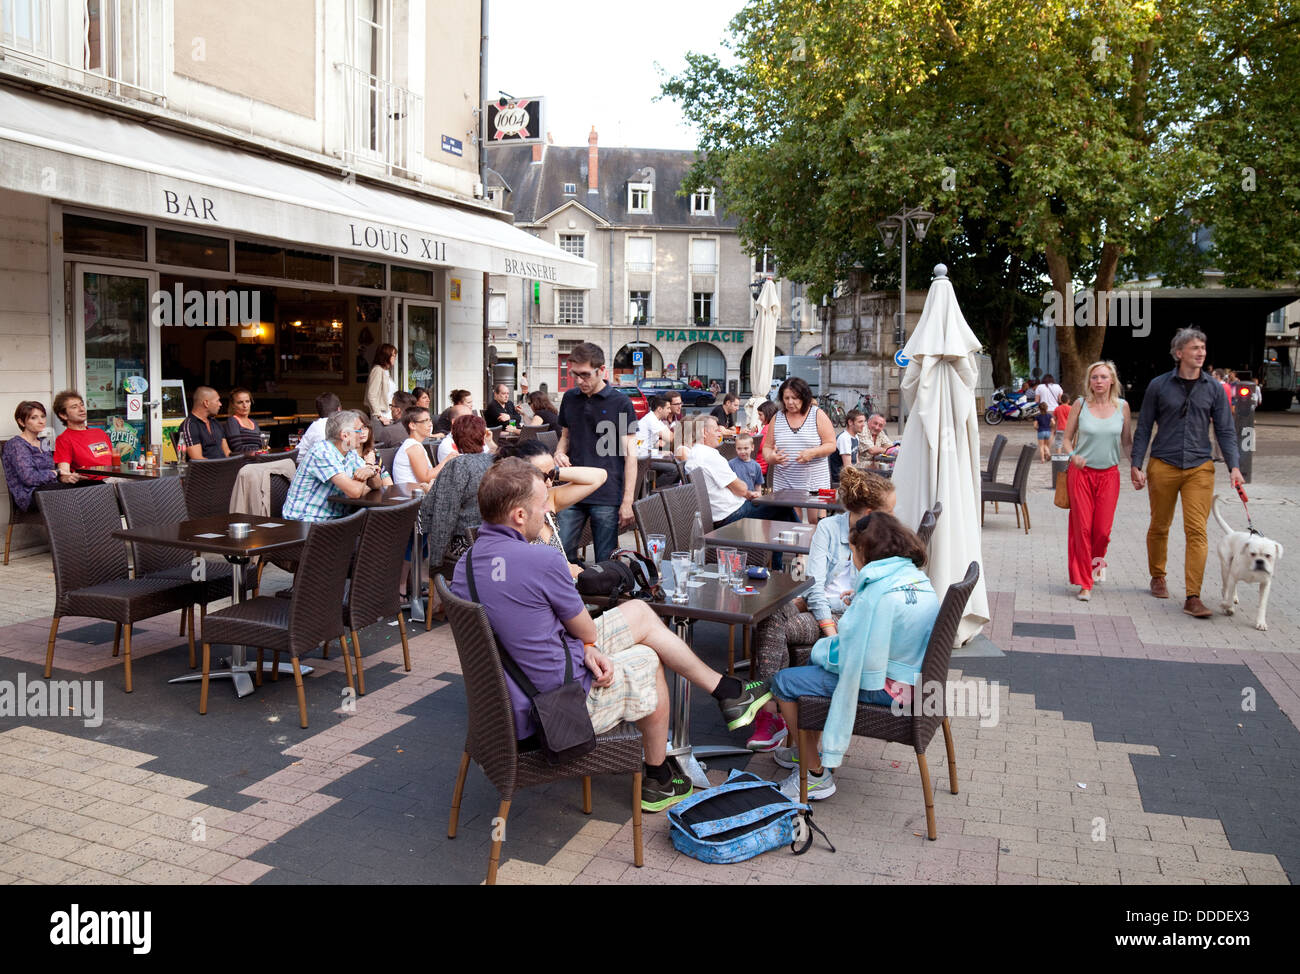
(79, 445)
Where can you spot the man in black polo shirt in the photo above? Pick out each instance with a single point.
(501, 411)
(725, 412)
(202, 437)
(597, 429)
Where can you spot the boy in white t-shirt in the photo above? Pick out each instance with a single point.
(846, 444)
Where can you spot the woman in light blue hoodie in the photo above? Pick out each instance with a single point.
(876, 656)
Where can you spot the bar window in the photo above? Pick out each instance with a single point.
(104, 238)
(411, 280)
(361, 273)
(192, 250)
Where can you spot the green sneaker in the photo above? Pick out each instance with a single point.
(740, 711)
(656, 797)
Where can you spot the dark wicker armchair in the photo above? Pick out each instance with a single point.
(490, 737)
(372, 591)
(916, 729)
(209, 484)
(1016, 492)
(91, 575)
(929, 520)
(296, 625)
(990, 474)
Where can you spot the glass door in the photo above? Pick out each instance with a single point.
(420, 358)
(117, 356)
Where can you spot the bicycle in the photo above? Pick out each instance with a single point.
(836, 412)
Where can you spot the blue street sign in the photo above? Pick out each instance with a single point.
(454, 146)
(900, 359)
(638, 358)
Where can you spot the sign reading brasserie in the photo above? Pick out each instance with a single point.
(699, 335)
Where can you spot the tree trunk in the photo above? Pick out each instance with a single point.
(998, 329)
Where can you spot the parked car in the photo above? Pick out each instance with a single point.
(690, 397)
(627, 386)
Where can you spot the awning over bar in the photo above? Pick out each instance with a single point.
(76, 155)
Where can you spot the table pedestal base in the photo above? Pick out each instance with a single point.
(240, 674)
(679, 746)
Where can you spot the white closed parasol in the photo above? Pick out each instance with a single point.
(939, 459)
(763, 357)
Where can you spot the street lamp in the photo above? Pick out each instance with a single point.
(894, 229)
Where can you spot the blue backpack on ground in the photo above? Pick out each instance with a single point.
(738, 820)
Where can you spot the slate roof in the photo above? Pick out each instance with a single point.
(537, 190)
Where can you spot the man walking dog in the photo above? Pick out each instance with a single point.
(1182, 404)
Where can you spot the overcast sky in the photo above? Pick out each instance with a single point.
(594, 63)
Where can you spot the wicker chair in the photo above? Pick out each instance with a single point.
(916, 729)
(990, 474)
(490, 737)
(386, 455)
(1016, 492)
(928, 521)
(90, 571)
(296, 625)
(372, 594)
(550, 438)
(18, 516)
(148, 502)
(209, 484)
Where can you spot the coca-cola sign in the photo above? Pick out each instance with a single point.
(515, 121)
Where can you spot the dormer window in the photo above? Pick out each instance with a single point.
(640, 197)
(570, 189)
(702, 202)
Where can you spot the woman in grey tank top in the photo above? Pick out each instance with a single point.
(802, 438)
(1098, 430)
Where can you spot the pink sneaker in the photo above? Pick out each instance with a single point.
(769, 731)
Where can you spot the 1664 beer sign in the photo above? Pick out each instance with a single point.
(516, 121)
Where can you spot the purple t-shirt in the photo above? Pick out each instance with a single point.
(528, 592)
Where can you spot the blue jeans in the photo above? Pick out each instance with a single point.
(812, 681)
(604, 529)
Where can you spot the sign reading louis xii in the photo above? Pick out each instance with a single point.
(516, 121)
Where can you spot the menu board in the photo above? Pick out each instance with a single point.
(101, 384)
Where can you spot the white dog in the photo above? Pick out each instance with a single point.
(1249, 558)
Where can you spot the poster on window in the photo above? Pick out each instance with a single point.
(101, 384)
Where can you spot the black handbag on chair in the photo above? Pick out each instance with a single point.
(564, 729)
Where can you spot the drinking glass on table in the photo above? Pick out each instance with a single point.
(658, 544)
(738, 560)
(725, 560)
(681, 575)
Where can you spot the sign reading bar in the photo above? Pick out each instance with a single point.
(699, 335)
(514, 121)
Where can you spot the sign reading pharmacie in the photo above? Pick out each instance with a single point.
(699, 335)
(514, 121)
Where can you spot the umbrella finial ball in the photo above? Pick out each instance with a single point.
(940, 270)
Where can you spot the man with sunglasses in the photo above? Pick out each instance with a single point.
(598, 428)
(1182, 404)
(332, 467)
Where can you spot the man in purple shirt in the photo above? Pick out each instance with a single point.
(537, 614)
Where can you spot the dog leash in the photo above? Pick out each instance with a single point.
(1241, 492)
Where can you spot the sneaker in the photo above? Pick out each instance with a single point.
(786, 757)
(820, 786)
(740, 711)
(769, 731)
(656, 797)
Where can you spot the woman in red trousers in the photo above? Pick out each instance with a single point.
(1098, 428)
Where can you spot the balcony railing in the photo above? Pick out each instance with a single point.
(113, 46)
(640, 266)
(383, 123)
(703, 268)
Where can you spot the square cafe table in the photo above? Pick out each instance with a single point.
(760, 533)
(212, 535)
(139, 473)
(794, 498)
(391, 496)
(714, 601)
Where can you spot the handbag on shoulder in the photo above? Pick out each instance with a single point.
(564, 729)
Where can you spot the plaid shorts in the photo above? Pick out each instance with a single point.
(633, 694)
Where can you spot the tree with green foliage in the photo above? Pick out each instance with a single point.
(1071, 138)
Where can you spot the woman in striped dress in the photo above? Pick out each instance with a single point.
(799, 441)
